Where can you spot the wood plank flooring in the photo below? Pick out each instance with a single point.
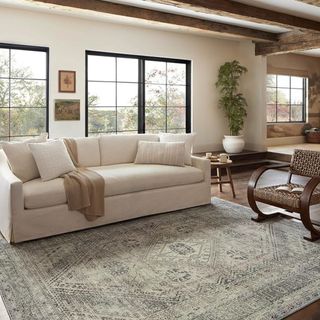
(311, 312)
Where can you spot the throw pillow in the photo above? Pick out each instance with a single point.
(20, 158)
(171, 153)
(187, 138)
(52, 159)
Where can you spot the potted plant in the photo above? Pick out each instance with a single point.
(233, 104)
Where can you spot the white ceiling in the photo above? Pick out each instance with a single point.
(205, 16)
(296, 8)
(312, 53)
(286, 6)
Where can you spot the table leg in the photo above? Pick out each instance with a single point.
(219, 178)
(231, 181)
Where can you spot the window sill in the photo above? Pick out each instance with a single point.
(285, 123)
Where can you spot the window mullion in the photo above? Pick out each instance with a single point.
(276, 98)
(188, 97)
(166, 97)
(141, 96)
(290, 106)
(116, 88)
(304, 100)
(47, 92)
(9, 100)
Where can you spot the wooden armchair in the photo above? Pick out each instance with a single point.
(303, 163)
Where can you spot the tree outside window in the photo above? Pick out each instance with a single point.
(286, 98)
(136, 94)
(23, 92)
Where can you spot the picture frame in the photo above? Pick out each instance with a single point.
(67, 81)
(67, 110)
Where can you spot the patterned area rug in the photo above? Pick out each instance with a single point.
(204, 263)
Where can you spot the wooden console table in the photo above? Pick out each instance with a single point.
(219, 166)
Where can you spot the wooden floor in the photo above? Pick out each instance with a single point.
(312, 312)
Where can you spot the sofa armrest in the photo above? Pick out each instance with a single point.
(11, 197)
(204, 165)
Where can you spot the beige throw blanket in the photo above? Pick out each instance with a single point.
(84, 188)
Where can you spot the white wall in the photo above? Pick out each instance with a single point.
(253, 87)
(69, 37)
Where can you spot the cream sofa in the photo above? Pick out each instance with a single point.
(37, 209)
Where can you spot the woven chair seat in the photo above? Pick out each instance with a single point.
(270, 194)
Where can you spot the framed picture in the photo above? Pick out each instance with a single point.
(66, 110)
(67, 81)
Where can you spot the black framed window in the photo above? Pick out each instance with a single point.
(286, 99)
(23, 91)
(136, 94)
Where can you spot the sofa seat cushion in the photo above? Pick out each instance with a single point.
(41, 194)
(120, 179)
(130, 177)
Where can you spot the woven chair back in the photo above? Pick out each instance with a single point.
(305, 163)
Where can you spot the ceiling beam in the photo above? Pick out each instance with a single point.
(289, 42)
(312, 2)
(246, 12)
(163, 17)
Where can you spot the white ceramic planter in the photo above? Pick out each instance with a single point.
(233, 144)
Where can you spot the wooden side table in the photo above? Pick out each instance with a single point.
(219, 166)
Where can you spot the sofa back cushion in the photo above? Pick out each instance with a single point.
(88, 151)
(20, 158)
(121, 148)
(187, 138)
(52, 158)
(171, 153)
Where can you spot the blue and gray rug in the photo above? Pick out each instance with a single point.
(203, 263)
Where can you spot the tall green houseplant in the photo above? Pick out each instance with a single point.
(231, 101)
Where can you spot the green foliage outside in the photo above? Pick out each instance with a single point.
(231, 101)
(28, 101)
(278, 103)
(157, 116)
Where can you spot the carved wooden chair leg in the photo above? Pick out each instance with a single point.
(314, 233)
(262, 216)
(253, 204)
(305, 218)
(250, 192)
(305, 209)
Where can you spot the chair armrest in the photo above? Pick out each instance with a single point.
(256, 176)
(308, 191)
(11, 197)
(204, 165)
(258, 173)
